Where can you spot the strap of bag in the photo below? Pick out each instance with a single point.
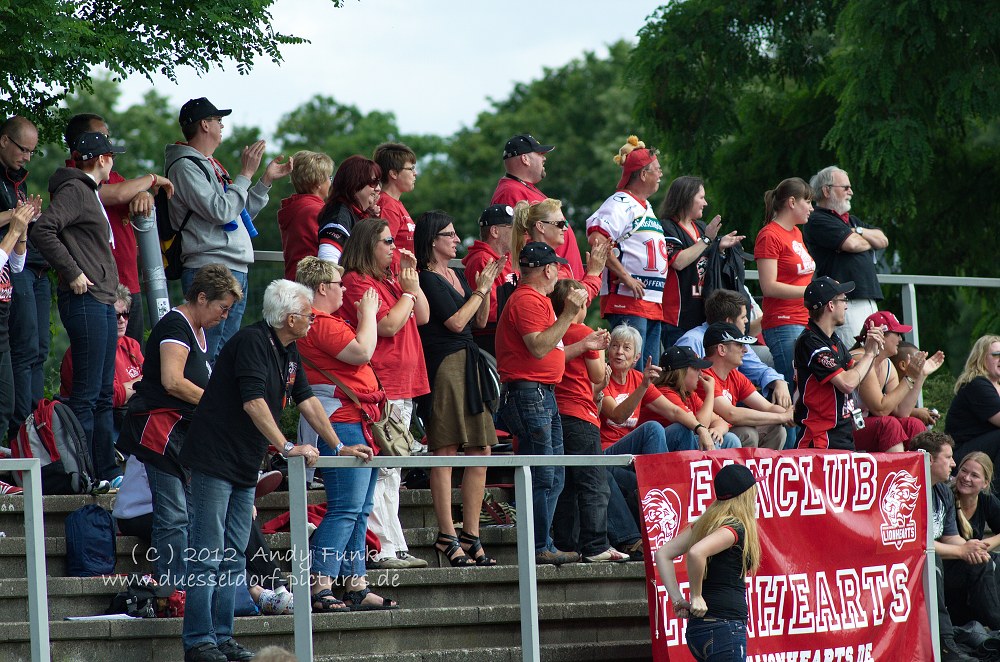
(336, 382)
(201, 166)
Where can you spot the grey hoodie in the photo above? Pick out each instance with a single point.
(204, 240)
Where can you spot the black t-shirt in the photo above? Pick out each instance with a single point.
(444, 301)
(223, 440)
(943, 521)
(971, 409)
(987, 515)
(824, 234)
(821, 407)
(172, 328)
(724, 588)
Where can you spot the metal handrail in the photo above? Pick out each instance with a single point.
(34, 541)
(530, 646)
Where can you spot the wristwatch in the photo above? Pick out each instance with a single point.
(860, 230)
(288, 447)
(705, 238)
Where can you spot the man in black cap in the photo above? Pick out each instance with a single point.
(825, 374)
(495, 225)
(524, 161)
(531, 360)
(213, 210)
(758, 423)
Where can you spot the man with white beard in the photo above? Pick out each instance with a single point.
(844, 246)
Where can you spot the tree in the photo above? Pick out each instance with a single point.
(50, 47)
(902, 97)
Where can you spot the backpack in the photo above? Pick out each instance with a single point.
(90, 542)
(54, 435)
(170, 239)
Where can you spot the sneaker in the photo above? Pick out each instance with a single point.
(206, 652)
(556, 558)
(116, 482)
(316, 484)
(417, 447)
(267, 482)
(952, 652)
(7, 488)
(610, 555)
(634, 550)
(233, 651)
(102, 487)
(274, 603)
(388, 563)
(290, 607)
(410, 560)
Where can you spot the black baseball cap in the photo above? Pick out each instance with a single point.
(721, 332)
(524, 143)
(538, 254)
(732, 481)
(92, 144)
(497, 215)
(679, 356)
(822, 290)
(198, 109)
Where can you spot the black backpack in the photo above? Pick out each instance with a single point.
(90, 542)
(53, 434)
(170, 239)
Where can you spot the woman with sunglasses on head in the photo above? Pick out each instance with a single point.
(154, 429)
(352, 196)
(398, 359)
(544, 221)
(974, 416)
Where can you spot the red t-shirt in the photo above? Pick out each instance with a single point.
(590, 283)
(400, 225)
(575, 393)
(527, 311)
(299, 227)
(128, 366)
(510, 191)
(399, 360)
(475, 261)
(736, 387)
(125, 248)
(795, 267)
(327, 337)
(611, 431)
(692, 405)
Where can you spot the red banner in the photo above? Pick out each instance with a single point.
(843, 538)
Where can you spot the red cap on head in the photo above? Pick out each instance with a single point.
(635, 160)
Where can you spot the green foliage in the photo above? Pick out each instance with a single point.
(50, 47)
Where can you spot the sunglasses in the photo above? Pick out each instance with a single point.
(122, 316)
(559, 224)
(388, 240)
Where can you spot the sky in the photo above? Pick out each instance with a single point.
(434, 63)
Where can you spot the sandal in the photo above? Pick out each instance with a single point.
(474, 547)
(452, 551)
(325, 602)
(355, 601)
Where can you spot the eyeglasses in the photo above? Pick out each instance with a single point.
(375, 183)
(225, 309)
(846, 187)
(559, 224)
(338, 283)
(122, 316)
(24, 150)
(411, 168)
(388, 240)
(311, 316)
(214, 119)
(839, 299)
(451, 234)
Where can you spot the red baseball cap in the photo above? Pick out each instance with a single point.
(885, 319)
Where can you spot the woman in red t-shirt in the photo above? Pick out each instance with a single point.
(398, 360)
(332, 347)
(785, 269)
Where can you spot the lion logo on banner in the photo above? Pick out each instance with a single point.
(661, 510)
(897, 501)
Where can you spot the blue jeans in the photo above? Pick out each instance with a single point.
(781, 341)
(717, 640)
(169, 535)
(646, 439)
(220, 515)
(337, 546)
(580, 522)
(670, 334)
(93, 340)
(6, 388)
(648, 329)
(218, 335)
(531, 415)
(30, 305)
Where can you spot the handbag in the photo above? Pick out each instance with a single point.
(390, 432)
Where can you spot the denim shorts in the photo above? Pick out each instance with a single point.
(717, 640)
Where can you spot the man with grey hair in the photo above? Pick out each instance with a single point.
(844, 246)
(256, 373)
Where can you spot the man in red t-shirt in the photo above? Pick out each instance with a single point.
(495, 225)
(524, 161)
(758, 422)
(399, 175)
(531, 360)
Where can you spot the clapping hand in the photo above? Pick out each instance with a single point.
(277, 169)
(485, 278)
(597, 340)
(368, 304)
(407, 260)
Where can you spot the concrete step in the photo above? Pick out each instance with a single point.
(413, 589)
(364, 634)
(619, 651)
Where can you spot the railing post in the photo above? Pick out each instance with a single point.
(910, 317)
(527, 584)
(38, 595)
(300, 559)
(930, 567)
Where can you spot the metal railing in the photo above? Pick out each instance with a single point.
(34, 542)
(530, 646)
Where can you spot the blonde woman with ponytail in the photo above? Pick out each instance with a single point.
(544, 221)
(722, 548)
(785, 269)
